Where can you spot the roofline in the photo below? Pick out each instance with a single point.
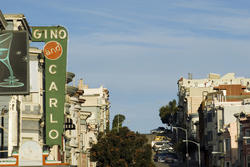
(19, 17)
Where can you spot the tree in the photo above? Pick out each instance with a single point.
(117, 121)
(168, 113)
(124, 149)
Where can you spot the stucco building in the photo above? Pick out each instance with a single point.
(97, 103)
(218, 126)
(191, 92)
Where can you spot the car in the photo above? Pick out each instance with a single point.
(171, 157)
(160, 157)
(171, 144)
(158, 145)
(166, 146)
(158, 130)
(160, 138)
(162, 151)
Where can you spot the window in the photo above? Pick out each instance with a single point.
(30, 125)
(209, 117)
(248, 161)
(247, 134)
(220, 149)
(36, 108)
(227, 143)
(28, 98)
(209, 135)
(27, 108)
(220, 124)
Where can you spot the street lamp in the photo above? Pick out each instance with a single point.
(199, 149)
(186, 139)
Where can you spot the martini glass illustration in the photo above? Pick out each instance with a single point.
(5, 44)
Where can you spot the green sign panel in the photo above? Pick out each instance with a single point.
(55, 52)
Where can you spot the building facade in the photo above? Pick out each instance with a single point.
(191, 92)
(207, 108)
(22, 123)
(220, 131)
(97, 103)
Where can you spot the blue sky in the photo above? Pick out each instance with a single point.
(139, 49)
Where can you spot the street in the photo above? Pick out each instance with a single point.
(158, 164)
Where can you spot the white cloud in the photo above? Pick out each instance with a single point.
(140, 56)
(154, 41)
(213, 6)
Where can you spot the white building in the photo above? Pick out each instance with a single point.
(88, 111)
(97, 104)
(221, 128)
(192, 92)
(25, 113)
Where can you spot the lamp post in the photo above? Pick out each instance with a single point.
(199, 149)
(186, 139)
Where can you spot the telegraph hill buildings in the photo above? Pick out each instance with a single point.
(215, 110)
(24, 116)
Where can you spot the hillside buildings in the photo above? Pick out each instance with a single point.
(209, 109)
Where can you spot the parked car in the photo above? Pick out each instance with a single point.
(160, 138)
(158, 145)
(171, 144)
(166, 146)
(162, 151)
(158, 130)
(160, 157)
(171, 157)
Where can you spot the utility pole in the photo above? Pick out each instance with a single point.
(185, 130)
(199, 149)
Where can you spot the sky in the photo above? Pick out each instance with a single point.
(138, 49)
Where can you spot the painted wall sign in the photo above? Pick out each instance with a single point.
(14, 62)
(55, 52)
